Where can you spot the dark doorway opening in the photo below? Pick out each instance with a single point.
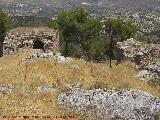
(38, 44)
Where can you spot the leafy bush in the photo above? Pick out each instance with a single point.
(97, 49)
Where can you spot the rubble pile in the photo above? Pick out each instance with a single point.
(124, 104)
(140, 53)
(36, 54)
(73, 87)
(144, 56)
(45, 88)
(151, 72)
(154, 69)
(15, 40)
(6, 89)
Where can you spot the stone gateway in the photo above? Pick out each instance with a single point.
(43, 38)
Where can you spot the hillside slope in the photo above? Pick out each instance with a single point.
(129, 4)
(27, 77)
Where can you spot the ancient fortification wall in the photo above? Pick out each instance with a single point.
(144, 56)
(36, 38)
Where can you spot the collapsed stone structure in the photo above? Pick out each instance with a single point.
(6, 89)
(36, 38)
(140, 53)
(126, 104)
(37, 54)
(144, 56)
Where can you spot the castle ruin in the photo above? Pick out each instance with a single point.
(43, 38)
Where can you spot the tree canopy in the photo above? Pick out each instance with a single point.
(117, 30)
(84, 36)
(78, 27)
(5, 24)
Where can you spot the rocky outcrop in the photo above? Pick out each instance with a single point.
(37, 54)
(144, 56)
(37, 38)
(127, 104)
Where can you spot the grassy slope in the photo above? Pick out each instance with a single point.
(40, 72)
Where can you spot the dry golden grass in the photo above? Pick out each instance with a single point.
(40, 72)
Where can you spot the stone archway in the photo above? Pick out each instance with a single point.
(38, 44)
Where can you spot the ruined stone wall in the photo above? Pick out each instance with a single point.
(141, 54)
(144, 56)
(26, 38)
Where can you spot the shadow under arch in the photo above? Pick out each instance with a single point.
(38, 44)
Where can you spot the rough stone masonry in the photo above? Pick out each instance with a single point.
(144, 56)
(35, 38)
